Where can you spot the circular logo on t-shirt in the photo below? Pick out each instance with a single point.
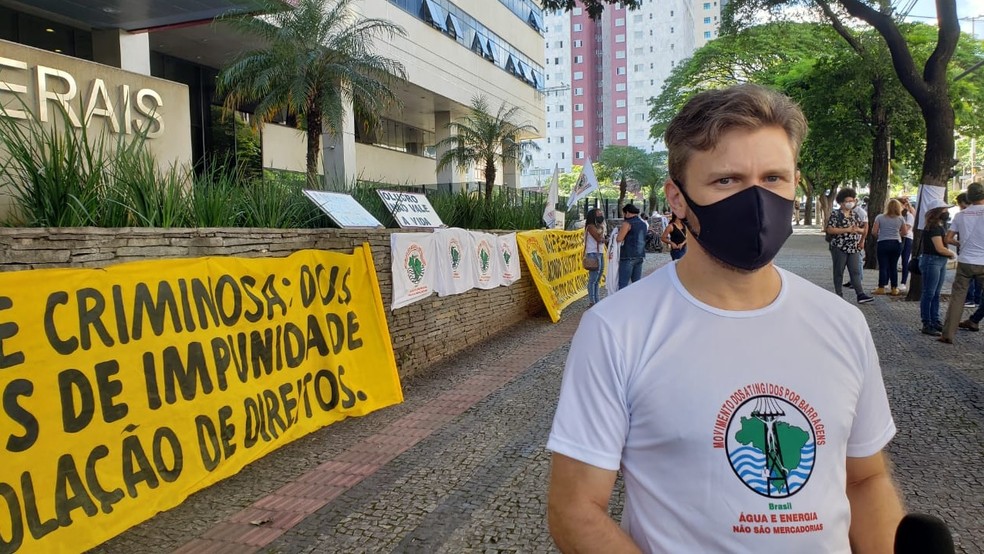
(771, 446)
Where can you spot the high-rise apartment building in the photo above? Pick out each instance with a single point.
(601, 74)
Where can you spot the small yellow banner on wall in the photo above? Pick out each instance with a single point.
(554, 259)
(124, 390)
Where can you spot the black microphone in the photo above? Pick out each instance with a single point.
(923, 534)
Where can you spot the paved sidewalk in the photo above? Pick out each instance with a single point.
(460, 465)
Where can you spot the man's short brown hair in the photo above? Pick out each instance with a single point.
(707, 116)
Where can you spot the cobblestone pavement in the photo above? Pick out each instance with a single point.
(460, 466)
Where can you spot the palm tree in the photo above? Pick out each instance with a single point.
(651, 173)
(620, 163)
(483, 139)
(318, 56)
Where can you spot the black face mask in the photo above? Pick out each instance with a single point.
(599, 220)
(745, 230)
(945, 217)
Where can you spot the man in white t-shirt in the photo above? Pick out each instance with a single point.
(969, 226)
(685, 384)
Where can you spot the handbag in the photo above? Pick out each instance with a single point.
(590, 262)
(914, 266)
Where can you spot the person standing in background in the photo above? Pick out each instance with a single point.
(910, 219)
(932, 265)
(974, 293)
(889, 228)
(632, 237)
(846, 229)
(594, 239)
(969, 226)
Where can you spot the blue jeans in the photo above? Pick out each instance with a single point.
(677, 253)
(933, 270)
(974, 293)
(629, 271)
(888, 260)
(594, 277)
(906, 254)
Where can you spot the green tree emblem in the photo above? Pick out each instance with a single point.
(455, 256)
(537, 260)
(484, 256)
(415, 268)
(506, 256)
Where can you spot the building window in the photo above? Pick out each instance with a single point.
(579, 155)
(620, 22)
(561, 140)
(578, 123)
(578, 139)
(578, 43)
(620, 103)
(578, 59)
(433, 13)
(577, 27)
(620, 71)
(620, 136)
(707, 21)
(619, 38)
(620, 87)
(707, 5)
(707, 34)
(560, 108)
(578, 91)
(578, 75)
(620, 54)
(562, 155)
(576, 11)
(620, 119)
(578, 107)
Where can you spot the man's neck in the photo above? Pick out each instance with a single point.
(726, 289)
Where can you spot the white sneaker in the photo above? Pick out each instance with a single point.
(903, 288)
(969, 305)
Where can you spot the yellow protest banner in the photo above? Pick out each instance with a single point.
(126, 389)
(554, 258)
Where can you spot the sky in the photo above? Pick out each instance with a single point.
(967, 10)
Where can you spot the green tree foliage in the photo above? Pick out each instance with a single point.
(485, 139)
(317, 57)
(927, 81)
(619, 164)
(593, 7)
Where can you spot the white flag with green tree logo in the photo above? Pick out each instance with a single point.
(414, 267)
(455, 267)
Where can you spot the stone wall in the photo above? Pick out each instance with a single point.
(423, 333)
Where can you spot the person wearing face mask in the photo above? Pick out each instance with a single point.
(845, 232)
(686, 386)
(594, 241)
(932, 265)
(968, 225)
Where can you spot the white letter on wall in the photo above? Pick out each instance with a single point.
(152, 112)
(11, 87)
(96, 92)
(63, 98)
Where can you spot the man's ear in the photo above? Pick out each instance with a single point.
(675, 199)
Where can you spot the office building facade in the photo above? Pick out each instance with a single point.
(453, 52)
(606, 71)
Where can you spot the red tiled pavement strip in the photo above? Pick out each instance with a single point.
(268, 518)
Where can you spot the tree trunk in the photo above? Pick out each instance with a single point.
(489, 179)
(878, 185)
(621, 192)
(313, 147)
(808, 205)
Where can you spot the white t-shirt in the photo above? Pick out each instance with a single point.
(910, 220)
(969, 225)
(677, 394)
